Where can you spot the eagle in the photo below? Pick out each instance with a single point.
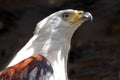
(45, 55)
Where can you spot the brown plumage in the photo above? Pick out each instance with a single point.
(36, 67)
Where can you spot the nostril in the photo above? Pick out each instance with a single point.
(80, 13)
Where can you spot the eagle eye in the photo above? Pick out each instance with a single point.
(66, 15)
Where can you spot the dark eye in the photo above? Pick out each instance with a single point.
(66, 15)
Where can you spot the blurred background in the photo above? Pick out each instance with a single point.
(95, 47)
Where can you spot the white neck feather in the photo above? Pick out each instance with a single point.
(53, 45)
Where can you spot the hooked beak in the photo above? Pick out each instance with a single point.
(86, 16)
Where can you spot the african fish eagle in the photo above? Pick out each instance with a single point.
(45, 55)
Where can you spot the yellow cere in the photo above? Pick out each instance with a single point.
(72, 17)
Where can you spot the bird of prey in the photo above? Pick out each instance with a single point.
(45, 55)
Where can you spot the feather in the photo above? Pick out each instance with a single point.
(35, 67)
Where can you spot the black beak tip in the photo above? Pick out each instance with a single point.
(87, 16)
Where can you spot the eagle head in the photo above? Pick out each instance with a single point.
(66, 20)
